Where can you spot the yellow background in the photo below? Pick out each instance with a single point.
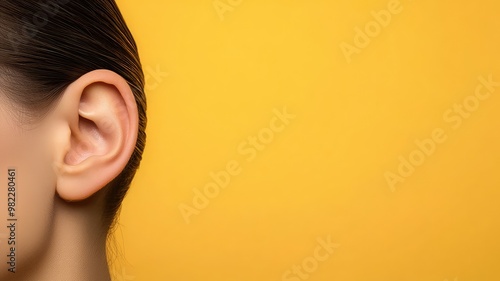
(323, 175)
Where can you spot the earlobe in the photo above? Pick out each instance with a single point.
(98, 132)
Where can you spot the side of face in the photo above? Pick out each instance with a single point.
(27, 188)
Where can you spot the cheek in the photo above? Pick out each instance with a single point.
(31, 196)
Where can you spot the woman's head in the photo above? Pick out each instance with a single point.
(47, 45)
(72, 117)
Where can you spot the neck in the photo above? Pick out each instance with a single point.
(76, 247)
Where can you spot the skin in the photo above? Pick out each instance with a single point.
(63, 163)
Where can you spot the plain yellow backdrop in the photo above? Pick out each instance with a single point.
(390, 148)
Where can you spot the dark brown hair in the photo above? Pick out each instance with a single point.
(46, 45)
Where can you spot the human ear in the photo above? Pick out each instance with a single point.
(97, 123)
